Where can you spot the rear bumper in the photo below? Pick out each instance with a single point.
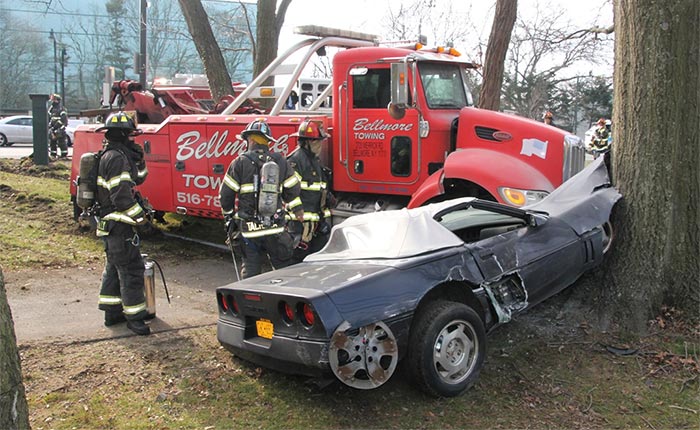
(287, 355)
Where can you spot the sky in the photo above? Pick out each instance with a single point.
(367, 16)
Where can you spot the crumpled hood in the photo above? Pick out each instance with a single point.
(565, 201)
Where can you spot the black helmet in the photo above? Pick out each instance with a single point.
(119, 121)
(260, 127)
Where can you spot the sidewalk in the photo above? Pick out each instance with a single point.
(60, 304)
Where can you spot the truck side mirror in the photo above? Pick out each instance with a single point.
(399, 90)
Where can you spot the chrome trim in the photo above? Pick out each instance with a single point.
(574, 157)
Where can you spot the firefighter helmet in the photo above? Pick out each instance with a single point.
(55, 98)
(312, 130)
(119, 121)
(601, 121)
(259, 127)
(547, 115)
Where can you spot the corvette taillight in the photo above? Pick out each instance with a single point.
(287, 312)
(307, 315)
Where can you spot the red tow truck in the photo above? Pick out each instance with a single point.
(404, 131)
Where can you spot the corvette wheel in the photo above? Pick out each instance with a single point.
(363, 358)
(447, 348)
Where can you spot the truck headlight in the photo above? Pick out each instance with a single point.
(519, 198)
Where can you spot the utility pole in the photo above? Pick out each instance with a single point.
(142, 49)
(64, 58)
(52, 36)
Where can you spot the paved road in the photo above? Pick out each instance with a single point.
(19, 150)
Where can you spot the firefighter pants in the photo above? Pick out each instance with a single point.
(255, 251)
(122, 279)
(58, 141)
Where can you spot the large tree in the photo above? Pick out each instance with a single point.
(268, 26)
(208, 48)
(13, 403)
(501, 29)
(655, 160)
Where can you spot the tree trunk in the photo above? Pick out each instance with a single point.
(14, 413)
(655, 162)
(207, 47)
(268, 27)
(499, 39)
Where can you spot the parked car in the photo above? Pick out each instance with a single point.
(422, 285)
(15, 129)
(18, 129)
(70, 129)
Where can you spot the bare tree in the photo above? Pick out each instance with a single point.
(268, 26)
(235, 35)
(23, 62)
(439, 20)
(501, 29)
(539, 51)
(655, 161)
(208, 48)
(14, 413)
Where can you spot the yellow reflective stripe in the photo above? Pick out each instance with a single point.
(247, 188)
(113, 182)
(326, 213)
(133, 310)
(119, 217)
(134, 210)
(231, 183)
(259, 233)
(314, 186)
(143, 173)
(110, 300)
(291, 181)
(294, 203)
(226, 212)
(310, 216)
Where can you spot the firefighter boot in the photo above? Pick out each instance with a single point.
(139, 327)
(114, 318)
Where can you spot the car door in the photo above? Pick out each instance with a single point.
(544, 258)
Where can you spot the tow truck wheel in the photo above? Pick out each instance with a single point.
(446, 349)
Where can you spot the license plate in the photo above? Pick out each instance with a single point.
(264, 328)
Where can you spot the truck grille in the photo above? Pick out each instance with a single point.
(485, 133)
(574, 156)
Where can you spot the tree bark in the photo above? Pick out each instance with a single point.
(207, 47)
(655, 162)
(499, 39)
(14, 413)
(268, 27)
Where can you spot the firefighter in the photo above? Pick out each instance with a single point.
(314, 231)
(58, 120)
(121, 167)
(264, 181)
(601, 139)
(548, 118)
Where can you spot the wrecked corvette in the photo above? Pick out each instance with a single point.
(420, 285)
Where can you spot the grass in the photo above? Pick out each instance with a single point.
(535, 376)
(185, 380)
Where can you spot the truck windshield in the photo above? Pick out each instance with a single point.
(444, 85)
